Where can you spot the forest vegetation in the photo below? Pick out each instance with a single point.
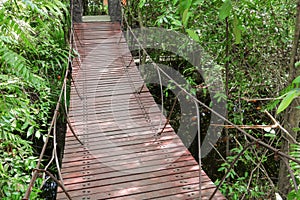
(255, 42)
(33, 58)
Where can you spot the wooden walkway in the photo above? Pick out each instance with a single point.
(121, 157)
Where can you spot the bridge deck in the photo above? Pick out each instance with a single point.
(121, 157)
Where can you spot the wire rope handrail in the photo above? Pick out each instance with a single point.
(254, 140)
(160, 72)
(62, 95)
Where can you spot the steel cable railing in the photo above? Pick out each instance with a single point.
(254, 140)
(62, 95)
(160, 71)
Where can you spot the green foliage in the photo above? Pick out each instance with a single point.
(94, 7)
(294, 195)
(193, 34)
(237, 30)
(16, 166)
(295, 152)
(259, 41)
(225, 9)
(290, 96)
(287, 100)
(33, 53)
(240, 184)
(142, 3)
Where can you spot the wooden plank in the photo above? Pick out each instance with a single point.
(97, 18)
(122, 157)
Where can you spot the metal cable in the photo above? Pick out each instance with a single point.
(199, 148)
(212, 110)
(55, 115)
(157, 132)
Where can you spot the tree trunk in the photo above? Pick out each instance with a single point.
(78, 11)
(85, 7)
(114, 10)
(292, 114)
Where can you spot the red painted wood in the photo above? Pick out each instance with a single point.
(121, 158)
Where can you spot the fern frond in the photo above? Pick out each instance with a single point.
(17, 64)
(295, 152)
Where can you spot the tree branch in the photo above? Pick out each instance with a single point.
(55, 180)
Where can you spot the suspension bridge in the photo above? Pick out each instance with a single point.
(115, 147)
(116, 118)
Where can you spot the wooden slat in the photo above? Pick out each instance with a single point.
(122, 157)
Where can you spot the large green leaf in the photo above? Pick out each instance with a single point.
(193, 34)
(236, 30)
(185, 17)
(296, 80)
(184, 4)
(225, 9)
(291, 95)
